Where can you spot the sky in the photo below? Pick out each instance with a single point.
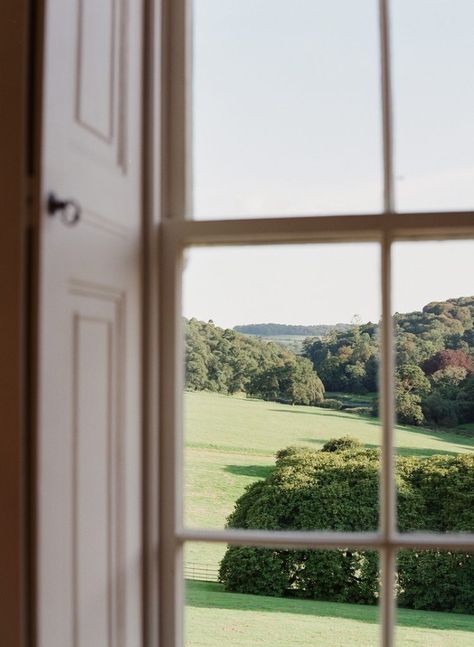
(287, 121)
(314, 284)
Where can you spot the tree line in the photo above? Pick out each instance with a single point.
(274, 329)
(434, 362)
(224, 361)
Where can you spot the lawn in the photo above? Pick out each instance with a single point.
(231, 442)
(217, 619)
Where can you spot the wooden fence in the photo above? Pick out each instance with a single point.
(201, 572)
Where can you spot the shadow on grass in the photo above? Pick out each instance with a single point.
(212, 596)
(441, 435)
(259, 471)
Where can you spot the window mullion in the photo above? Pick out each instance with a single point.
(387, 474)
(387, 482)
(170, 442)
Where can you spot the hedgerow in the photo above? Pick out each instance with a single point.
(337, 489)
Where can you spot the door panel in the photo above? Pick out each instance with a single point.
(89, 394)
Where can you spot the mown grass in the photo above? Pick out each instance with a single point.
(215, 618)
(231, 442)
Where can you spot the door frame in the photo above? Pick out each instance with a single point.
(16, 28)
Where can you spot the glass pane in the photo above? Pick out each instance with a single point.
(434, 396)
(433, 50)
(264, 399)
(286, 108)
(435, 598)
(302, 598)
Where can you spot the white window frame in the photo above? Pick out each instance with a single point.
(176, 232)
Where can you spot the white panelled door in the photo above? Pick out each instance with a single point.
(89, 418)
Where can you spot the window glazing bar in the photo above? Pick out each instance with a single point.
(328, 539)
(387, 518)
(309, 229)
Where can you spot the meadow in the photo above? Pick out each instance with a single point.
(231, 442)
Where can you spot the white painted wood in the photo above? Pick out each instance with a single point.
(171, 444)
(327, 539)
(387, 495)
(311, 229)
(89, 392)
(176, 127)
(387, 492)
(175, 207)
(177, 232)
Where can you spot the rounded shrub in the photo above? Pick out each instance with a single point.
(341, 444)
(331, 403)
(337, 489)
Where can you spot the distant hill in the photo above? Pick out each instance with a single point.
(275, 329)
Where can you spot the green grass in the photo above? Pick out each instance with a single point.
(231, 442)
(216, 619)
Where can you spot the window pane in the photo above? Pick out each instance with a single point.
(434, 396)
(263, 399)
(433, 51)
(299, 597)
(436, 598)
(286, 108)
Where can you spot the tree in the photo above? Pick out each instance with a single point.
(408, 408)
(411, 379)
(294, 381)
(446, 358)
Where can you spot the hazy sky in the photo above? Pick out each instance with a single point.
(319, 283)
(286, 121)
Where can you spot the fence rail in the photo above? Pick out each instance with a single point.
(201, 572)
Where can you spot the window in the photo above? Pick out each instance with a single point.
(384, 227)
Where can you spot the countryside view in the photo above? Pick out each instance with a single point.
(282, 431)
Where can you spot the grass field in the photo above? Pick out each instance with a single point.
(231, 442)
(217, 619)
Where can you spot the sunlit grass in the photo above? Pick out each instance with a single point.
(215, 618)
(232, 441)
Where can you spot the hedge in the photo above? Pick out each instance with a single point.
(337, 489)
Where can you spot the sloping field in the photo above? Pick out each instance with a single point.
(231, 442)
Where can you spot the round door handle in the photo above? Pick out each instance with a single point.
(70, 210)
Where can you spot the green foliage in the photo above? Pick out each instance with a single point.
(436, 580)
(225, 361)
(341, 444)
(254, 570)
(294, 382)
(435, 357)
(411, 379)
(408, 408)
(346, 361)
(440, 411)
(331, 403)
(351, 575)
(337, 489)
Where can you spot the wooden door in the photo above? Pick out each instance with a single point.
(89, 418)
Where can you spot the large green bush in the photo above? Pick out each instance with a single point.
(337, 489)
